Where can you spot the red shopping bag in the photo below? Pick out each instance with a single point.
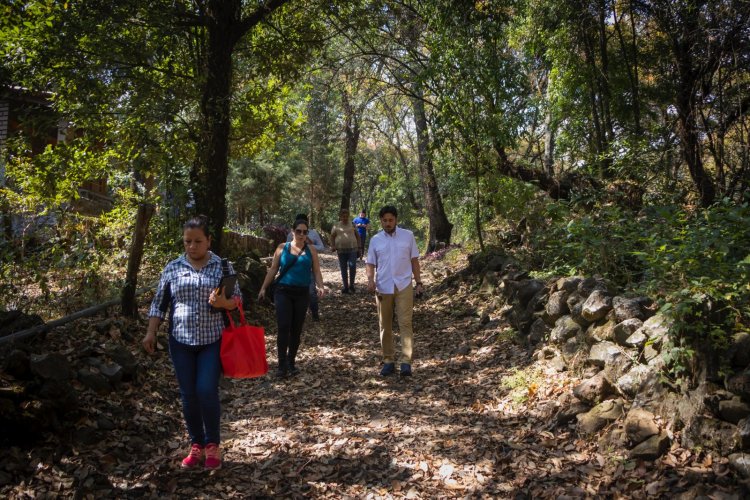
(243, 349)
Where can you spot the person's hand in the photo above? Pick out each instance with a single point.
(219, 301)
(371, 286)
(321, 291)
(261, 294)
(149, 342)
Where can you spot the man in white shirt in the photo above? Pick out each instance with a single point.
(392, 259)
(314, 239)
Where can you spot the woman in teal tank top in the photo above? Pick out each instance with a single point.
(293, 261)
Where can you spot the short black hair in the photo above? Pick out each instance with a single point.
(388, 209)
(197, 222)
(300, 216)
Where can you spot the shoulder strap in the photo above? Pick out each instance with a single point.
(291, 264)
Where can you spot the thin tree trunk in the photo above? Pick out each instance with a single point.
(440, 227)
(351, 138)
(128, 302)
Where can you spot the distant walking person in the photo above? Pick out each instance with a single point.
(295, 262)
(362, 223)
(188, 286)
(345, 242)
(314, 239)
(392, 259)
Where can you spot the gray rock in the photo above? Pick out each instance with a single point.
(652, 448)
(527, 289)
(637, 339)
(740, 349)
(600, 331)
(624, 330)
(743, 434)
(657, 327)
(489, 283)
(51, 366)
(596, 306)
(573, 349)
(123, 357)
(564, 329)
(557, 305)
(640, 425)
(629, 383)
(733, 410)
(569, 284)
(558, 364)
(603, 353)
(94, 381)
(740, 384)
(18, 364)
(538, 331)
(588, 285)
(113, 372)
(599, 416)
(740, 463)
(595, 390)
(569, 413)
(710, 433)
(626, 309)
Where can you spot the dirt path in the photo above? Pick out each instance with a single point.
(477, 419)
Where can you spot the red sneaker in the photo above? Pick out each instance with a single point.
(213, 457)
(194, 458)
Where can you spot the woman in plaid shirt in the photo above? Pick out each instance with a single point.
(187, 289)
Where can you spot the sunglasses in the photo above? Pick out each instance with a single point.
(300, 231)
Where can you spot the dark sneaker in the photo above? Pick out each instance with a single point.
(351, 289)
(293, 370)
(282, 372)
(388, 369)
(344, 290)
(405, 370)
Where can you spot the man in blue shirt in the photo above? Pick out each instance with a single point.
(362, 223)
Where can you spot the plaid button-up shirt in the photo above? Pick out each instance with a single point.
(184, 292)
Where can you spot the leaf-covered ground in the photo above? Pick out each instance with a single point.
(475, 420)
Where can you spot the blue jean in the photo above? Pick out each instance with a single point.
(348, 259)
(198, 368)
(291, 308)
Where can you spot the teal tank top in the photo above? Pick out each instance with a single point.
(300, 272)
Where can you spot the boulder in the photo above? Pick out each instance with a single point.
(640, 425)
(743, 434)
(710, 433)
(599, 416)
(740, 463)
(51, 366)
(733, 410)
(638, 339)
(557, 305)
(565, 328)
(740, 385)
(123, 357)
(631, 381)
(569, 412)
(18, 364)
(595, 390)
(601, 330)
(740, 350)
(489, 283)
(527, 289)
(603, 353)
(538, 331)
(569, 284)
(626, 309)
(596, 306)
(94, 381)
(652, 448)
(625, 329)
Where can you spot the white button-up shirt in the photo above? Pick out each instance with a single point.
(391, 255)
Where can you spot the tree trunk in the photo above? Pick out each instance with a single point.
(440, 227)
(225, 27)
(351, 138)
(128, 302)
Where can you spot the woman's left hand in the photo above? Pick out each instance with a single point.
(219, 301)
(321, 291)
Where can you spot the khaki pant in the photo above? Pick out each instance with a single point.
(403, 302)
